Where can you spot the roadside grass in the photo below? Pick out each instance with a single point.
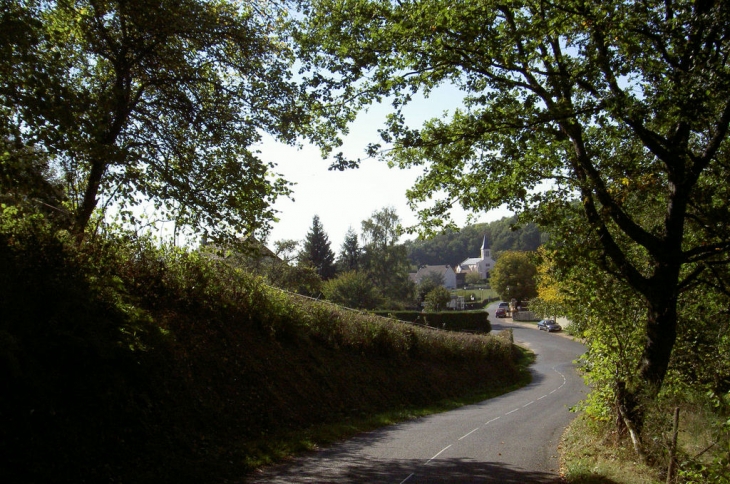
(591, 451)
(589, 455)
(479, 293)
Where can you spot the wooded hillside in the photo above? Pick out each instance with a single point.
(452, 247)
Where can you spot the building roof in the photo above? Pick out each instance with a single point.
(425, 270)
(471, 261)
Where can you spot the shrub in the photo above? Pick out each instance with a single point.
(352, 289)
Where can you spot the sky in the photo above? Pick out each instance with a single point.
(343, 199)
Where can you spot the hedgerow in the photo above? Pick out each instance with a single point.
(126, 360)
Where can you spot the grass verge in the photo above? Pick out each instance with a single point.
(590, 455)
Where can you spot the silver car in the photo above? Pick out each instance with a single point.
(548, 325)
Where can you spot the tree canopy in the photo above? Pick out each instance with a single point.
(385, 260)
(352, 289)
(513, 276)
(622, 106)
(130, 102)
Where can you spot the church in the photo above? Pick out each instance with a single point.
(481, 265)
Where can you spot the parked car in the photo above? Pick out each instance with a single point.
(502, 309)
(548, 325)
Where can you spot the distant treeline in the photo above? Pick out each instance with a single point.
(452, 247)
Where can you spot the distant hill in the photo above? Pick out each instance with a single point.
(451, 247)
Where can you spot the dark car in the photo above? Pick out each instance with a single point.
(548, 325)
(502, 309)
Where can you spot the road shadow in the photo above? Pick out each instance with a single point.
(405, 471)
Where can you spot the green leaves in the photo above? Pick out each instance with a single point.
(513, 276)
(621, 107)
(156, 103)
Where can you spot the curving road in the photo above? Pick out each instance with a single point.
(509, 439)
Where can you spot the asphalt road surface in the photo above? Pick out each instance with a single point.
(509, 439)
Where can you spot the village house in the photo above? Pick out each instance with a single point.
(444, 271)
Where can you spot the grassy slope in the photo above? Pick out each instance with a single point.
(124, 364)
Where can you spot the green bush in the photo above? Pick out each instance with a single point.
(352, 289)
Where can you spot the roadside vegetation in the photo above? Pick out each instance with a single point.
(604, 125)
(599, 445)
(593, 452)
(122, 360)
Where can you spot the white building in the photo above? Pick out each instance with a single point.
(448, 274)
(481, 265)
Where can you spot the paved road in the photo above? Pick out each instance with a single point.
(508, 439)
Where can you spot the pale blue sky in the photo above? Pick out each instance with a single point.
(344, 199)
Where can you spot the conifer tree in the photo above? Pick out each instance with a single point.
(316, 251)
(350, 252)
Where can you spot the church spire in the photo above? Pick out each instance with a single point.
(485, 248)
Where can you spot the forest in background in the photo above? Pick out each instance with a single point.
(453, 246)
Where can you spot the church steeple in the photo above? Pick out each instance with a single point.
(485, 248)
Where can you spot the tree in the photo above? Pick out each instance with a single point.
(158, 103)
(316, 251)
(287, 250)
(452, 246)
(623, 106)
(352, 289)
(437, 299)
(513, 276)
(384, 259)
(473, 278)
(551, 300)
(428, 283)
(350, 252)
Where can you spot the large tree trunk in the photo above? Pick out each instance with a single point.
(89, 202)
(661, 334)
(660, 337)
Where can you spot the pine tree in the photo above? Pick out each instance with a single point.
(350, 252)
(316, 251)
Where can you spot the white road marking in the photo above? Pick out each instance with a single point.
(492, 420)
(441, 452)
(467, 435)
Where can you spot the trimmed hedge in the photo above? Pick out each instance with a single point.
(476, 321)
